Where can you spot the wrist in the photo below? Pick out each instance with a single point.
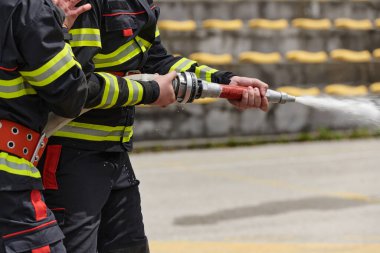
(151, 92)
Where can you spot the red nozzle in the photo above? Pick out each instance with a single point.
(232, 92)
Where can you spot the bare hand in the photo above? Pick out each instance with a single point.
(71, 11)
(254, 96)
(167, 95)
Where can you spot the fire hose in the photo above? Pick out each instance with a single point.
(187, 87)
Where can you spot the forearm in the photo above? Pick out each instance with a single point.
(109, 91)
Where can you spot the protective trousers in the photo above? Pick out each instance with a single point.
(27, 225)
(95, 197)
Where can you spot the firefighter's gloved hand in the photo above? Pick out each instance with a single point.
(71, 11)
(254, 97)
(167, 95)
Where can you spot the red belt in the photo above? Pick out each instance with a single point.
(21, 141)
(124, 73)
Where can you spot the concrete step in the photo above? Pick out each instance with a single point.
(235, 42)
(308, 75)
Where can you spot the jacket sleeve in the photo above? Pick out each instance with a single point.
(159, 61)
(105, 90)
(48, 63)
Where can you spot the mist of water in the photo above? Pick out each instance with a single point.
(364, 110)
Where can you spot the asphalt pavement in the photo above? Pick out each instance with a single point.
(283, 198)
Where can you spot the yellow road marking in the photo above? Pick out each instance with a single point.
(225, 247)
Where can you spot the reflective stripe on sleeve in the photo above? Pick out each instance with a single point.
(135, 92)
(143, 42)
(17, 166)
(204, 72)
(92, 132)
(85, 37)
(157, 32)
(15, 88)
(123, 54)
(182, 65)
(111, 91)
(51, 70)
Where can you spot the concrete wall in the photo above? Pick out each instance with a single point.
(220, 119)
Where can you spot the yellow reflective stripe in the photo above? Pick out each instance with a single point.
(85, 43)
(111, 91)
(135, 92)
(205, 73)
(76, 62)
(119, 56)
(116, 52)
(17, 166)
(115, 92)
(51, 70)
(12, 82)
(87, 137)
(91, 132)
(85, 37)
(157, 32)
(123, 54)
(84, 31)
(145, 43)
(20, 93)
(15, 88)
(131, 55)
(182, 65)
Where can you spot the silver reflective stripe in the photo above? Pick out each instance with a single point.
(49, 72)
(204, 72)
(143, 43)
(86, 37)
(118, 58)
(111, 91)
(135, 92)
(17, 166)
(90, 132)
(182, 65)
(15, 88)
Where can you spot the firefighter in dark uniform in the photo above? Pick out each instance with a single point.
(39, 74)
(94, 188)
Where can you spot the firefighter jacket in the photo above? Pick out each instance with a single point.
(39, 74)
(121, 36)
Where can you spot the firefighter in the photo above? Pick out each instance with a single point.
(32, 50)
(38, 74)
(92, 185)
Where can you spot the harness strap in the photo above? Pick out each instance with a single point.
(21, 141)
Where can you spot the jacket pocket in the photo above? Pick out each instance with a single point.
(117, 21)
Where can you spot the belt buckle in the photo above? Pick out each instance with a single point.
(40, 145)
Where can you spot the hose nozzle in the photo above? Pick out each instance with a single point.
(279, 97)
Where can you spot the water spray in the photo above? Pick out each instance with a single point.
(188, 87)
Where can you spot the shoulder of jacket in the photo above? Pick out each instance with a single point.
(30, 9)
